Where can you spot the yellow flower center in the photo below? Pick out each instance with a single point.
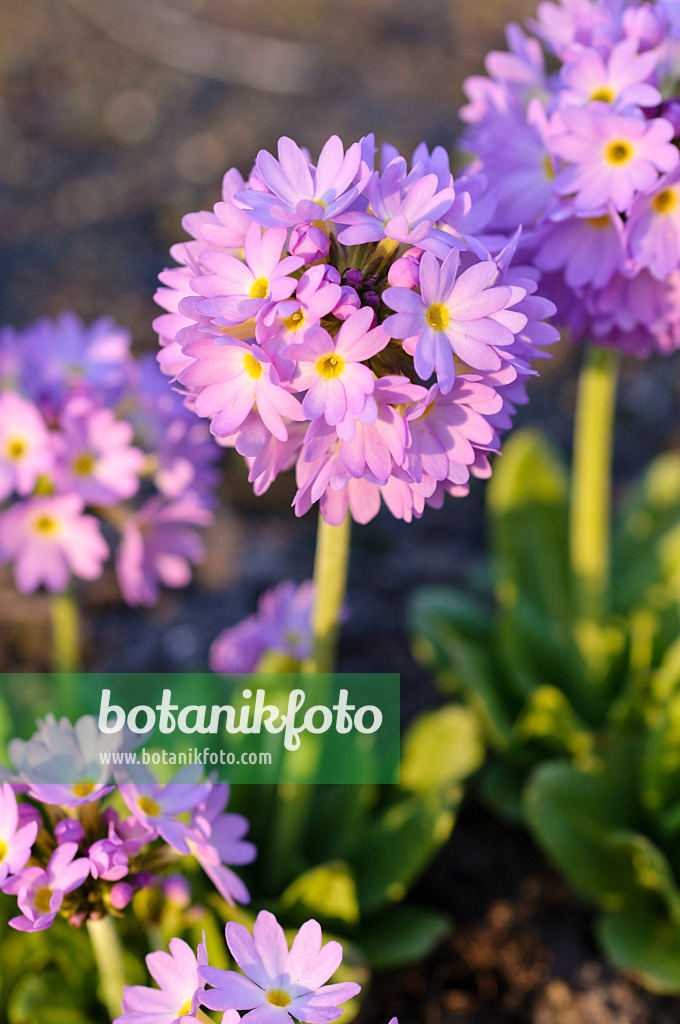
(437, 317)
(42, 899)
(259, 288)
(665, 201)
(603, 95)
(548, 168)
(84, 464)
(3, 850)
(599, 222)
(149, 806)
(253, 366)
(15, 448)
(82, 788)
(277, 997)
(46, 524)
(295, 321)
(619, 152)
(330, 366)
(186, 1008)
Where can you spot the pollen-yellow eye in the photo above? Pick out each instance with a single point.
(46, 524)
(277, 997)
(619, 152)
(149, 806)
(603, 95)
(42, 900)
(15, 448)
(330, 366)
(295, 321)
(599, 223)
(259, 288)
(665, 201)
(437, 317)
(84, 464)
(252, 365)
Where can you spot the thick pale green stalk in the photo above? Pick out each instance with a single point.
(330, 580)
(108, 955)
(591, 485)
(65, 619)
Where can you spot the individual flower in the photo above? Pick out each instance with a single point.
(158, 546)
(49, 539)
(177, 997)
(298, 193)
(279, 984)
(281, 625)
(15, 841)
(25, 450)
(64, 764)
(97, 459)
(40, 892)
(462, 315)
(157, 806)
(610, 157)
(217, 840)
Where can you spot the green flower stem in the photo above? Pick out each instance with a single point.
(330, 580)
(591, 486)
(65, 619)
(108, 955)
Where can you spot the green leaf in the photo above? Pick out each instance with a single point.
(582, 819)
(646, 542)
(397, 847)
(527, 505)
(646, 944)
(440, 747)
(326, 892)
(402, 935)
(453, 634)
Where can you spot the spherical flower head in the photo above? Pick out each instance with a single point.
(25, 449)
(604, 147)
(279, 984)
(178, 995)
(297, 375)
(63, 356)
(50, 538)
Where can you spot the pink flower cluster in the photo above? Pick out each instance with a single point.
(351, 319)
(585, 157)
(93, 445)
(278, 984)
(84, 860)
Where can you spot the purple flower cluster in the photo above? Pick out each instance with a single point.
(350, 319)
(585, 157)
(282, 626)
(278, 984)
(84, 859)
(94, 446)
